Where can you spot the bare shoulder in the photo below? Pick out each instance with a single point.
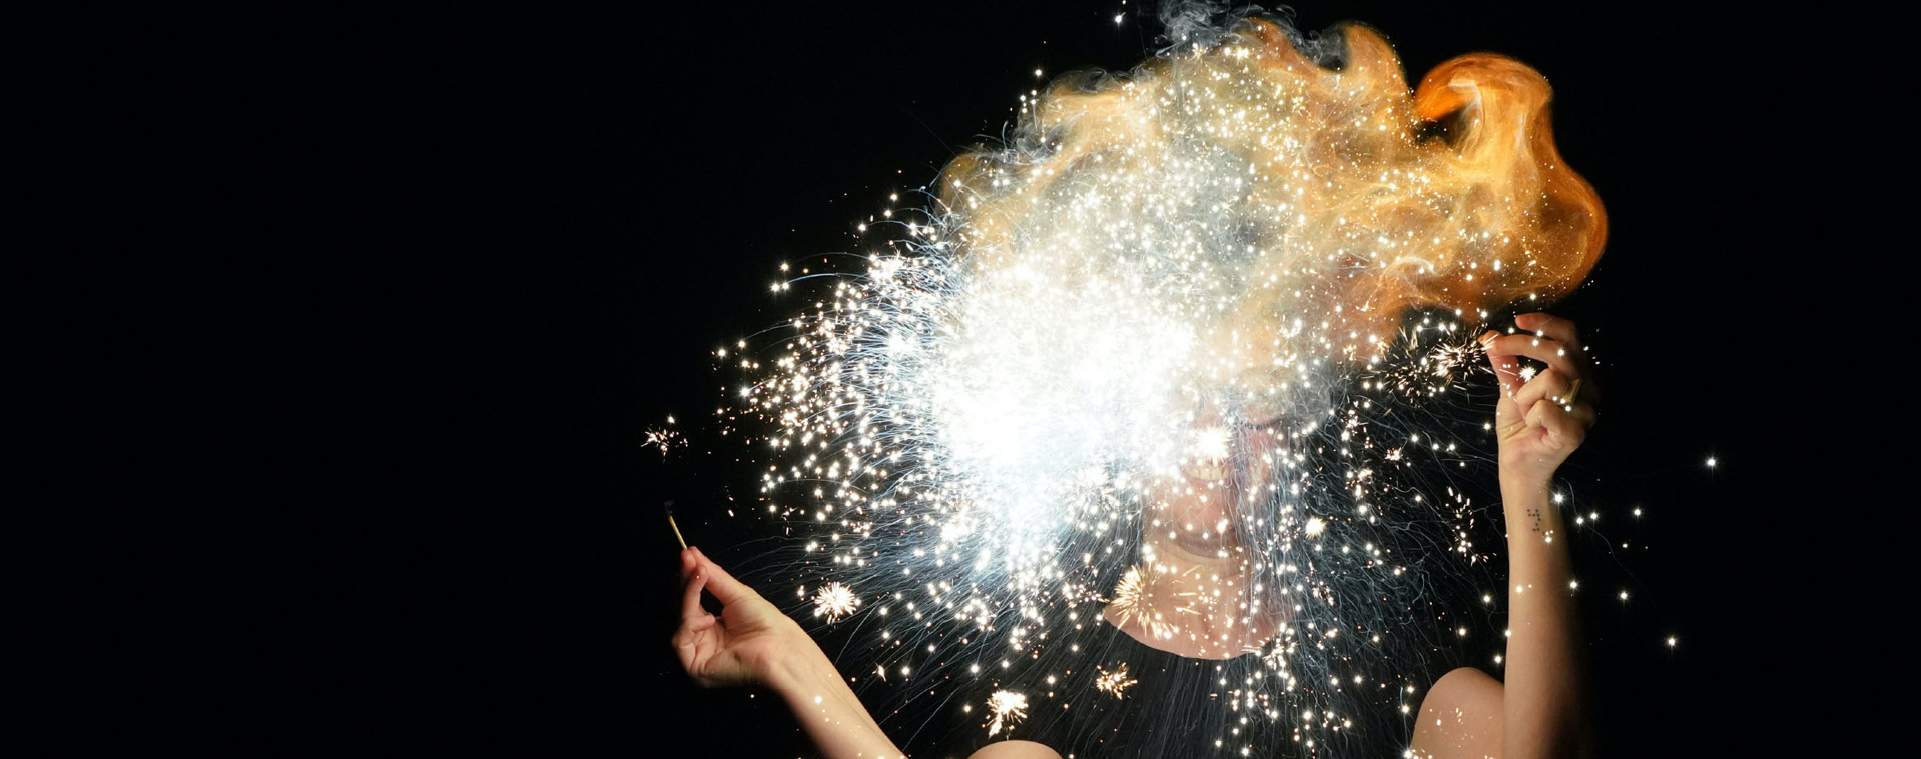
(1461, 716)
(1015, 750)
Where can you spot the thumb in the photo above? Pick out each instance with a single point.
(1506, 369)
(1507, 373)
(720, 583)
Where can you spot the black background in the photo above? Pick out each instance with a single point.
(601, 197)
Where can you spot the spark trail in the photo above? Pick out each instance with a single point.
(1173, 374)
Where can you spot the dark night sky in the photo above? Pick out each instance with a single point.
(608, 193)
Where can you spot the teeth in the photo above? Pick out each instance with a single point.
(1206, 470)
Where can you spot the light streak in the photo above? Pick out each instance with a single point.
(1194, 335)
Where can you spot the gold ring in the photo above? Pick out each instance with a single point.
(1567, 398)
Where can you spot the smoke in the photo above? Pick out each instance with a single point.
(1313, 190)
(1134, 380)
(1194, 24)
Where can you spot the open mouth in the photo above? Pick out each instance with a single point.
(1212, 457)
(1206, 512)
(1207, 470)
(1222, 469)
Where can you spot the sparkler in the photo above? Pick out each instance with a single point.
(1151, 351)
(834, 601)
(1143, 599)
(1115, 683)
(1008, 708)
(669, 506)
(663, 438)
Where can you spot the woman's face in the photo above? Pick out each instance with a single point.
(1223, 480)
(1194, 593)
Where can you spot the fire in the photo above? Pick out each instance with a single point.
(1145, 339)
(1336, 192)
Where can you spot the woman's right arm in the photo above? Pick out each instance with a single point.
(753, 643)
(1538, 710)
(1539, 423)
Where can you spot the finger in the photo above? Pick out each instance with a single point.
(1507, 374)
(690, 600)
(1555, 354)
(1549, 384)
(687, 563)
(1506, 370)
(1582, 412)
(1540, 415)
(1567, 338)
(687, 647)
(1562, 428)
(695, 631)
(1552, 327)
(722, 584)
(1530, 396)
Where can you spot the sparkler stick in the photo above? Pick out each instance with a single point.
(1161, 343)
(669, 506)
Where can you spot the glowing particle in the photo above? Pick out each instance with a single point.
(1009, 708)
(1116, 682)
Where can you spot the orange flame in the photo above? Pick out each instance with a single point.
(1367, 199)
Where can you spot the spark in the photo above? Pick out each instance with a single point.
(1009, 708)
(1180, 320)
(663, 438)
(1115, 682)
(834, 601)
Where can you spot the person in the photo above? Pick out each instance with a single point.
(1193, 592)
(1535, 712)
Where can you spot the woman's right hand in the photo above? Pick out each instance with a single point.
(745, 643)
(1540, 421)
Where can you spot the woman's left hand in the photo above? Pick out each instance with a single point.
(746, 644)
(1543, 419)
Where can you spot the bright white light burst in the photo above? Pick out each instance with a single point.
(833, 601)
(1178, 364)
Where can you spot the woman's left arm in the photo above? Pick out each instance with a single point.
(753, 643)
